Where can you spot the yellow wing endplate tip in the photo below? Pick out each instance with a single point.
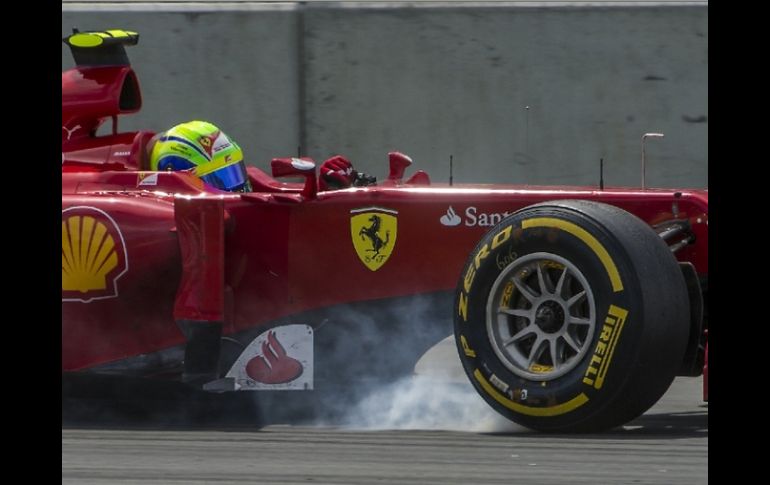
(86, 40)
(98, 38)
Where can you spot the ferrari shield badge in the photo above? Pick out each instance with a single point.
(374, 230)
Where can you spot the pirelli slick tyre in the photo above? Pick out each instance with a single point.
(571, 316)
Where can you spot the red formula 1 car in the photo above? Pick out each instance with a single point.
(573, 308)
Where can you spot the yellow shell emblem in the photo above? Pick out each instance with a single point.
(93, 255)
(374, 230)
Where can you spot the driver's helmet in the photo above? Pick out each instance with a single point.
(206, 151)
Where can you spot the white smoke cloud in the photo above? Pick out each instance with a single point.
(438, 397)
(424, 403)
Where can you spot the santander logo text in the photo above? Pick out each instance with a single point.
(472, 217)
(450, 218)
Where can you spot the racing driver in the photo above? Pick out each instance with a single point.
(213, 156)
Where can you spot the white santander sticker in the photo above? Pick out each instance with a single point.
(450, 218)
(279, 359)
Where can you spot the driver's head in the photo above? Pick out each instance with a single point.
(206, 150)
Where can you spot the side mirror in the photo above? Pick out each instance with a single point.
(297, 167)
(398, 164)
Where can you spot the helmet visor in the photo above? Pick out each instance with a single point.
(232, 178)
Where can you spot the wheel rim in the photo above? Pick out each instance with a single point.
(541, 316)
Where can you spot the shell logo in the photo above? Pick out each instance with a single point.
(93, 255)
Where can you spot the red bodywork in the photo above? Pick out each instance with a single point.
(184, 250)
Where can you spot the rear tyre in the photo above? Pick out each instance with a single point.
(571, 316)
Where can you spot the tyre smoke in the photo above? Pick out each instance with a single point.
(437, 397)
(424, 403)
(401, 370)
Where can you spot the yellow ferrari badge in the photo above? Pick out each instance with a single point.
(373, 230)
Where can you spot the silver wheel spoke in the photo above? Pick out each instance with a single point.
(524, 332)
(555, 360)
(576, 298)
(537, 349)
(518, 312)
(579, 321)
(571, 342)
(524, 290)
(560, 283)
(542, 276)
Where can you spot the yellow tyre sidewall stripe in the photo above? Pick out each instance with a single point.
(587, 238)
(556, 410)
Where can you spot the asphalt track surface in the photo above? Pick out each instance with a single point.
(667, 445)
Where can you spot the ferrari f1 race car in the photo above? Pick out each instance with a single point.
(572, 308)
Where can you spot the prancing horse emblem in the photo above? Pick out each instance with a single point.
(372, 233)
(374, 230)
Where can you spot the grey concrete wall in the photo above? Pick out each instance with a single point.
(236, 69)
(515, 94)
